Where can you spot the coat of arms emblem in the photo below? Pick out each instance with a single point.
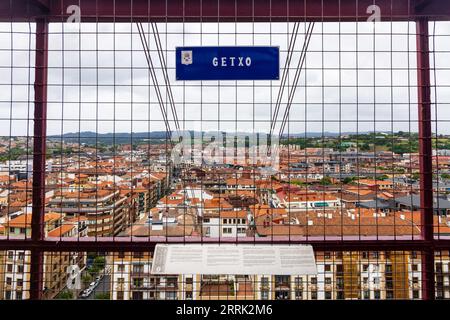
(186, 57)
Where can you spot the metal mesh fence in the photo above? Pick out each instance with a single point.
(103, 149)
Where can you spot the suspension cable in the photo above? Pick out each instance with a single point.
(154, 78)
(296, 77)
(284, 76)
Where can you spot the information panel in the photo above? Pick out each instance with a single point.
(227, 63)
(234, 259)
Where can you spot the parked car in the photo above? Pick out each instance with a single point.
(86, 293)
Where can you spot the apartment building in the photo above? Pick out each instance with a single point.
(15, 276)
(442, 263)
(107, 211)
(349, 275)
(305, 199)
(132, 280)
(366, 275)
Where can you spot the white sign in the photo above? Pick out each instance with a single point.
(234, 259)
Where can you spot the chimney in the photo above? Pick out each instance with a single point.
(310, 222)
(353, 216)
(402, 216)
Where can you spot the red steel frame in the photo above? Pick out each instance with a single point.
(45, 11)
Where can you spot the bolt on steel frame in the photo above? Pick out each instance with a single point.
(42, 12)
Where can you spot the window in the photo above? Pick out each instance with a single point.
(227, 231)
(340, 283)
(138, 268)
(171, 295)
(327, 280)
(328, 295)
(366, 294)
(298, 294)
(120, 295)
(416, 294)
(415, 267)
(377, 294)
(313, 280)
(264, 281)
(314, 295)
(8, 281)
(121, 268)
(137, 295)
(138, 282)
(264, 294)
(327, 268)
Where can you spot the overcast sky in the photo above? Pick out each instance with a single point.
(366, 81)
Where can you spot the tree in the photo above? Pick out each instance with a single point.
(325, 181)
(65, 295)
(348, 180)
(86, 279)
(98, 264)
(102, 296)
(364, 147)
(415, 176)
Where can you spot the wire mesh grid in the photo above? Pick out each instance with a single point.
(127, 154)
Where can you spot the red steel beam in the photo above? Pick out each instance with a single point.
(225, 10)
(425, 154)
(143, 244)
(39, 151)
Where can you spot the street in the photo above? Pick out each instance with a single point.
(103, 287)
